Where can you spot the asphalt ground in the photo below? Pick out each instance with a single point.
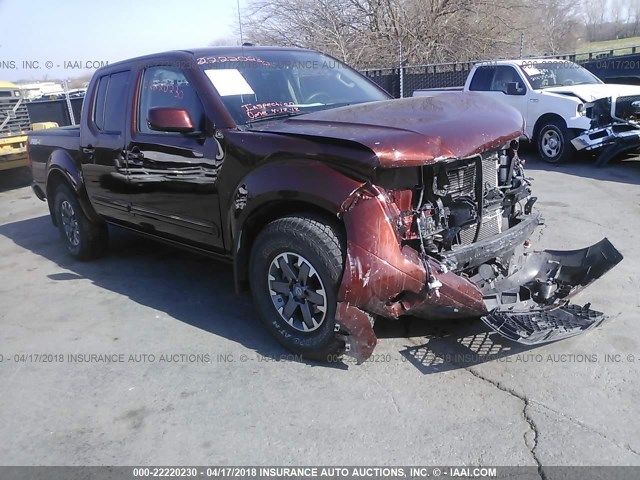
(188, 375)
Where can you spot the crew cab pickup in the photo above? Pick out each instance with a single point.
(335, 203)
(566, 108)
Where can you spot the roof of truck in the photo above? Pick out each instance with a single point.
(211, 51)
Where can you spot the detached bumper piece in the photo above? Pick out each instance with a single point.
(531, 305)
(544, 326)
(613, 140)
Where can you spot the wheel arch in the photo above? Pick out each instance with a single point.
(543, 120)
(62, 170)
(279, 190)
(263, 216)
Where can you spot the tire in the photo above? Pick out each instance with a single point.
(298, 309)
(83, 238)
(554, 142)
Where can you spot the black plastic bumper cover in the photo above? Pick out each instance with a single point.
(531, 306)
(544, 326)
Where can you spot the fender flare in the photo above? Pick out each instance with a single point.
(62, 168)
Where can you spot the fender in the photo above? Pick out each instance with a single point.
(276, 189)
(60, 163)
(560, 105)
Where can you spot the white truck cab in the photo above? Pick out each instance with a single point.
(563, 104)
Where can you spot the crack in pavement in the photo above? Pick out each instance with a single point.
(531, 445)
(387, 391)
(579, 423)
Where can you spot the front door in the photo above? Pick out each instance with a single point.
(494, 79)
(173, 176)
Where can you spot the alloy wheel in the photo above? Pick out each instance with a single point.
(297, 292)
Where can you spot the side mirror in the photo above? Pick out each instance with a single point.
(167, 119)
(514, 88)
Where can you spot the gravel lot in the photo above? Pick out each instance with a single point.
(566, 403)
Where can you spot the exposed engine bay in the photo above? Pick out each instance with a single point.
(460, 202)
(453, 239)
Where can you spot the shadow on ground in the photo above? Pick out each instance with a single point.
(199, 291)
(190, 288)
(14, 178)
(444, 345)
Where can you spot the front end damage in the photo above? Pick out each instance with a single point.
(615, 128)
(451, 239)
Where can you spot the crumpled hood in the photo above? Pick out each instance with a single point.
(594, 91)
(412, 131)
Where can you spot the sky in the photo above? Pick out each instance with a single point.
(63, 35)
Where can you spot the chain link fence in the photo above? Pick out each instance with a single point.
(608, 65)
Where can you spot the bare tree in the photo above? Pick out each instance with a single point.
(372, 32)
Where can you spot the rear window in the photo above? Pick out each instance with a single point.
(111, 98)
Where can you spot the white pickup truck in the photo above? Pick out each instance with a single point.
(566, 108)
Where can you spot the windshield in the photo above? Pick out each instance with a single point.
(271, 84)
(556, 74)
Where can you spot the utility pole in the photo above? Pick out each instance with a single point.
(65, 85)
(240, 22)
(401, 69)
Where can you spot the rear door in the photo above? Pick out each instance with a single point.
(173, 176)
(102, 142)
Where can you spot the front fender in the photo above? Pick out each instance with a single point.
(276, 189)
(303, 182)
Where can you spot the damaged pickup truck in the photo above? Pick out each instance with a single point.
(566, 108)
(335, 203)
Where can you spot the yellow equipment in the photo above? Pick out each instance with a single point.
(14, 125)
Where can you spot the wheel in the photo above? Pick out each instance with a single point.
(84, 239)
(554, 142)
(295, 270)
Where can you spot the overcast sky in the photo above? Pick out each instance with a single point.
(103, 31)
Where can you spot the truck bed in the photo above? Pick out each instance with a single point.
(429, 92)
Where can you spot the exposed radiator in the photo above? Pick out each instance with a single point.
(491, 225)
(462, 182)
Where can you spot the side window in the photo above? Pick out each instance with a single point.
(98, 108)
(108, 112)
(482, 79)
(503, 76)
(168, 87)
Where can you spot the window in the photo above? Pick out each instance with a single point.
(276, 83)
(168, 87)
(482, 79)
(111, 97)
(504, 75)
(494, 78)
